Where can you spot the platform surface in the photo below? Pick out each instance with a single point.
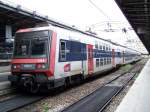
(4, 69)
(138, 97)
(94, 101)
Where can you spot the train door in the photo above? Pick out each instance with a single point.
(84, 57)
(123, 55)
(113, 57)
(90, 59)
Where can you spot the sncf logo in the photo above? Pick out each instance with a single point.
(67, 68)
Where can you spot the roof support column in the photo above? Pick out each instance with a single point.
(8, 32)
(2, 32)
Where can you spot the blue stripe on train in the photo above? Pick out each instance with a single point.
(77, 51)
(102, 54)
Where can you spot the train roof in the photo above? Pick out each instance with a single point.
(49, 26)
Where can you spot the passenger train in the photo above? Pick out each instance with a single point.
(51, 57)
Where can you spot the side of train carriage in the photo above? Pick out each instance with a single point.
(53, 57)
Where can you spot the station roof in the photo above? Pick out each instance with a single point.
(17, 16)
(20, 17)
(136, 11)
(138, 14)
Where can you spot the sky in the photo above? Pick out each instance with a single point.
(83, 14)
(80, 13)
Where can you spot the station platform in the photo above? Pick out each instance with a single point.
(138, 97)
(4, 69)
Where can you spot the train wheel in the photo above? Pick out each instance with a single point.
(34, 87)
(67, 83)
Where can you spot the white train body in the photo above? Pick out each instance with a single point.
(76, 54)
(103, 58)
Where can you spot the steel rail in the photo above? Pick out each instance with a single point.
(24, 100)
(124, 85)
(67, 109)
(18, 102)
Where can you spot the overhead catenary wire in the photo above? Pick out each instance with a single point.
(109, 22)
(101, 11)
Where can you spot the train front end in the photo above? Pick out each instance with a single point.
(30, 65)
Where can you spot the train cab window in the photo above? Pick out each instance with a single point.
(97, 62)
(22, 48)
(62, 50)
(96, 45)
(39, 47)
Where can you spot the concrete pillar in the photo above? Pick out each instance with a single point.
(2, 32)
(8, 41)
(8, 32)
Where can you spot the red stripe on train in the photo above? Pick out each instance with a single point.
(53, 53)
(113, 57)
(39, 60)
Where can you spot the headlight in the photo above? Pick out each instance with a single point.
(16, 66)
(40, 66)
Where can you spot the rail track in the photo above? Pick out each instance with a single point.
(5, 86)
(18, 102)
(26, 99)
(100, 98)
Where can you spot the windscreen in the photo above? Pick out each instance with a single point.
(22, 48)
(30, 45)
(39, 47)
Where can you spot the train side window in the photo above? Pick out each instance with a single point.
(62, 50)
(104, 47)
(97, 62)
(100, 46)
(109, 48)
(119, 54)
(96, 45)
(105, 61)
(101, 62)
(110, 60)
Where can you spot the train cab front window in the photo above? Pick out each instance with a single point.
(32, 44)
(39, 48)
(22, 48)
(31, 48)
